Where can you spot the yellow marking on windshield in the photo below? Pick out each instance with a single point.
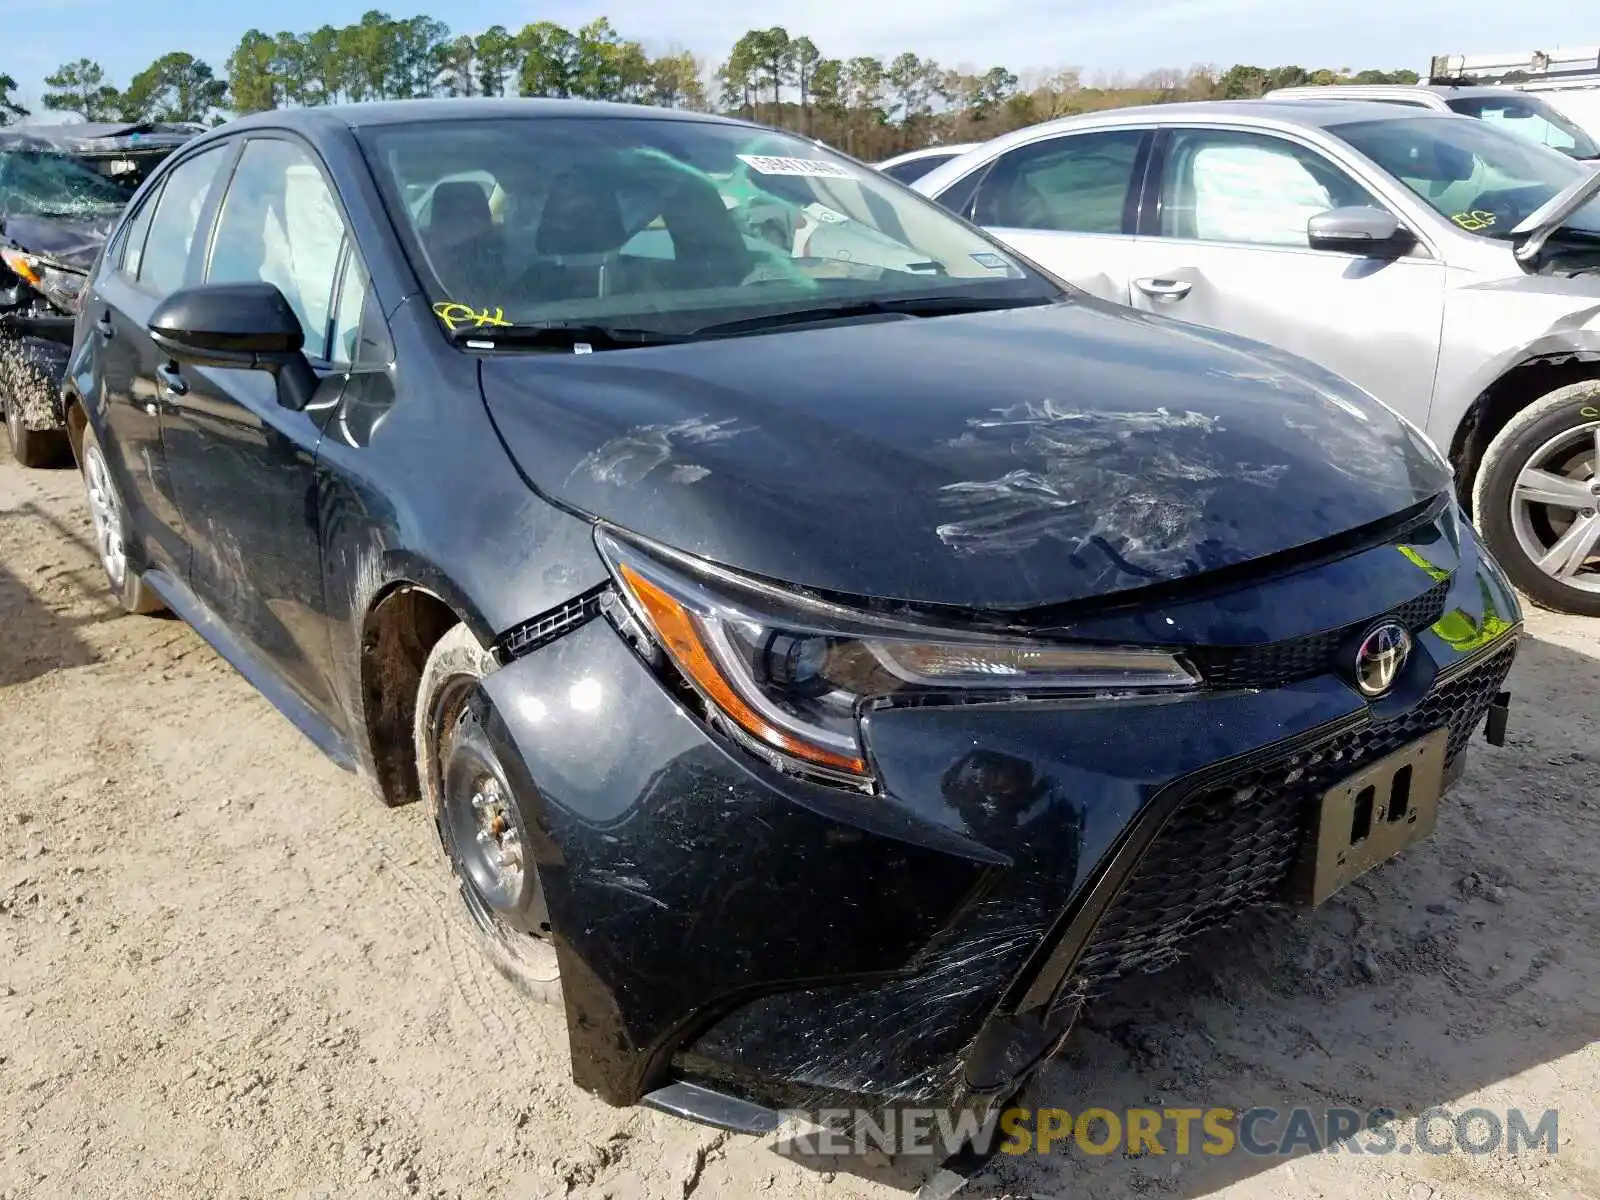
(1475, 220)
(456, 315)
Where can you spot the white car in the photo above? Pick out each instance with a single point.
(1529, 117)
(914, 164)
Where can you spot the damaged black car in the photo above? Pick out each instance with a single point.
(830, 649)
(61, 187)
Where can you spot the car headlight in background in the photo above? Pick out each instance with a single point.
(787, 674)
(61, 287)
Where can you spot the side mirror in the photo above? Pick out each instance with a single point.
(1369, 232)
(241, 326)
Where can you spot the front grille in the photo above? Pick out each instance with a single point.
(1277, 663)
(1232, 843)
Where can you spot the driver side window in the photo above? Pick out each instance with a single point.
(1249, 188)
(280, 224)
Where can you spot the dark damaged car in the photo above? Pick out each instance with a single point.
(61, 188)
(829, 656)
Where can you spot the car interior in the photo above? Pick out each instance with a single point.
(589, 231)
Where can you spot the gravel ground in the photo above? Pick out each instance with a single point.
(225, 971)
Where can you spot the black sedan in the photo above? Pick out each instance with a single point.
(830, 650)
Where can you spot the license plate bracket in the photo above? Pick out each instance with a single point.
(1370, 816)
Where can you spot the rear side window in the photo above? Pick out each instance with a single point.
(1074, 184)
(279, 224)
(164, 264)
(1227, 186)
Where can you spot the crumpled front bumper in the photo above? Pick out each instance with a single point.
(794, 944)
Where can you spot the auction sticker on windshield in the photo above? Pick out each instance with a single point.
(813, 167)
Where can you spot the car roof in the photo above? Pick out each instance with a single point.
(1397, 90)
(1309, 111)
(404, 112)
(929, 152)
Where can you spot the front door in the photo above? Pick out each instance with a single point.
(243, 466)
(1231, 252)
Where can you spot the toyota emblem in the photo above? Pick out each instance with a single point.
(1381, 657)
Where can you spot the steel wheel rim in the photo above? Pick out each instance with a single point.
(460, 823)
(106, 513)
(1555, 508)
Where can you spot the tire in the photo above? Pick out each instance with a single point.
(109, 515)
(453, 761)
(33, 447)
(1550, 550)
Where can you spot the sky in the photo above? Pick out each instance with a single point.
(1095, 35)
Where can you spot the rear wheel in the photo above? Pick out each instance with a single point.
(109, 516)
(482, 828)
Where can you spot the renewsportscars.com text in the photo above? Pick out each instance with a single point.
(1259, 1132)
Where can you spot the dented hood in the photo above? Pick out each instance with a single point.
(71, 244)
(997, 460)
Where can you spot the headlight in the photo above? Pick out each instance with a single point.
(61, 287)
(787, 674)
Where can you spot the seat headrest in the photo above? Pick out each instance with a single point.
(581, 216)
(460, 211)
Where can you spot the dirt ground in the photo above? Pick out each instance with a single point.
(225, 971)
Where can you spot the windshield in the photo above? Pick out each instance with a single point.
(40, 183)
(1531, 118)
(1486, 181)
(665, 225)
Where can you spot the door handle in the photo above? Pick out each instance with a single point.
(1164, 289)
(174, 382)
(104, 325)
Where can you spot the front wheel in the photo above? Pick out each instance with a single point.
(1537, 499)
(482, 827)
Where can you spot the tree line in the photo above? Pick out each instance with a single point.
(871, 107)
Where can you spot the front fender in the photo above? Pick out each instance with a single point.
(684, 877)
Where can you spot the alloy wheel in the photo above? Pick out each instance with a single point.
(105, 510)
(1555, 507)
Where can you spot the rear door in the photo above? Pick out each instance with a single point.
(244, 467)
(1068, 202)
(1230, 250)
(152, 257)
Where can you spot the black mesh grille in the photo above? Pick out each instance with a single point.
(548, 626)
(1233, 843)
(1283, 662)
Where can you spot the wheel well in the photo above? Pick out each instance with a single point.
(1504, 399)
(400, 631)
(76, 420)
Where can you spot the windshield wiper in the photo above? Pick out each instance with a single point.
(562, 335)
(911, 306)
(582, 337)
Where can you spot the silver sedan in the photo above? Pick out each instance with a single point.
(1447, 267)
